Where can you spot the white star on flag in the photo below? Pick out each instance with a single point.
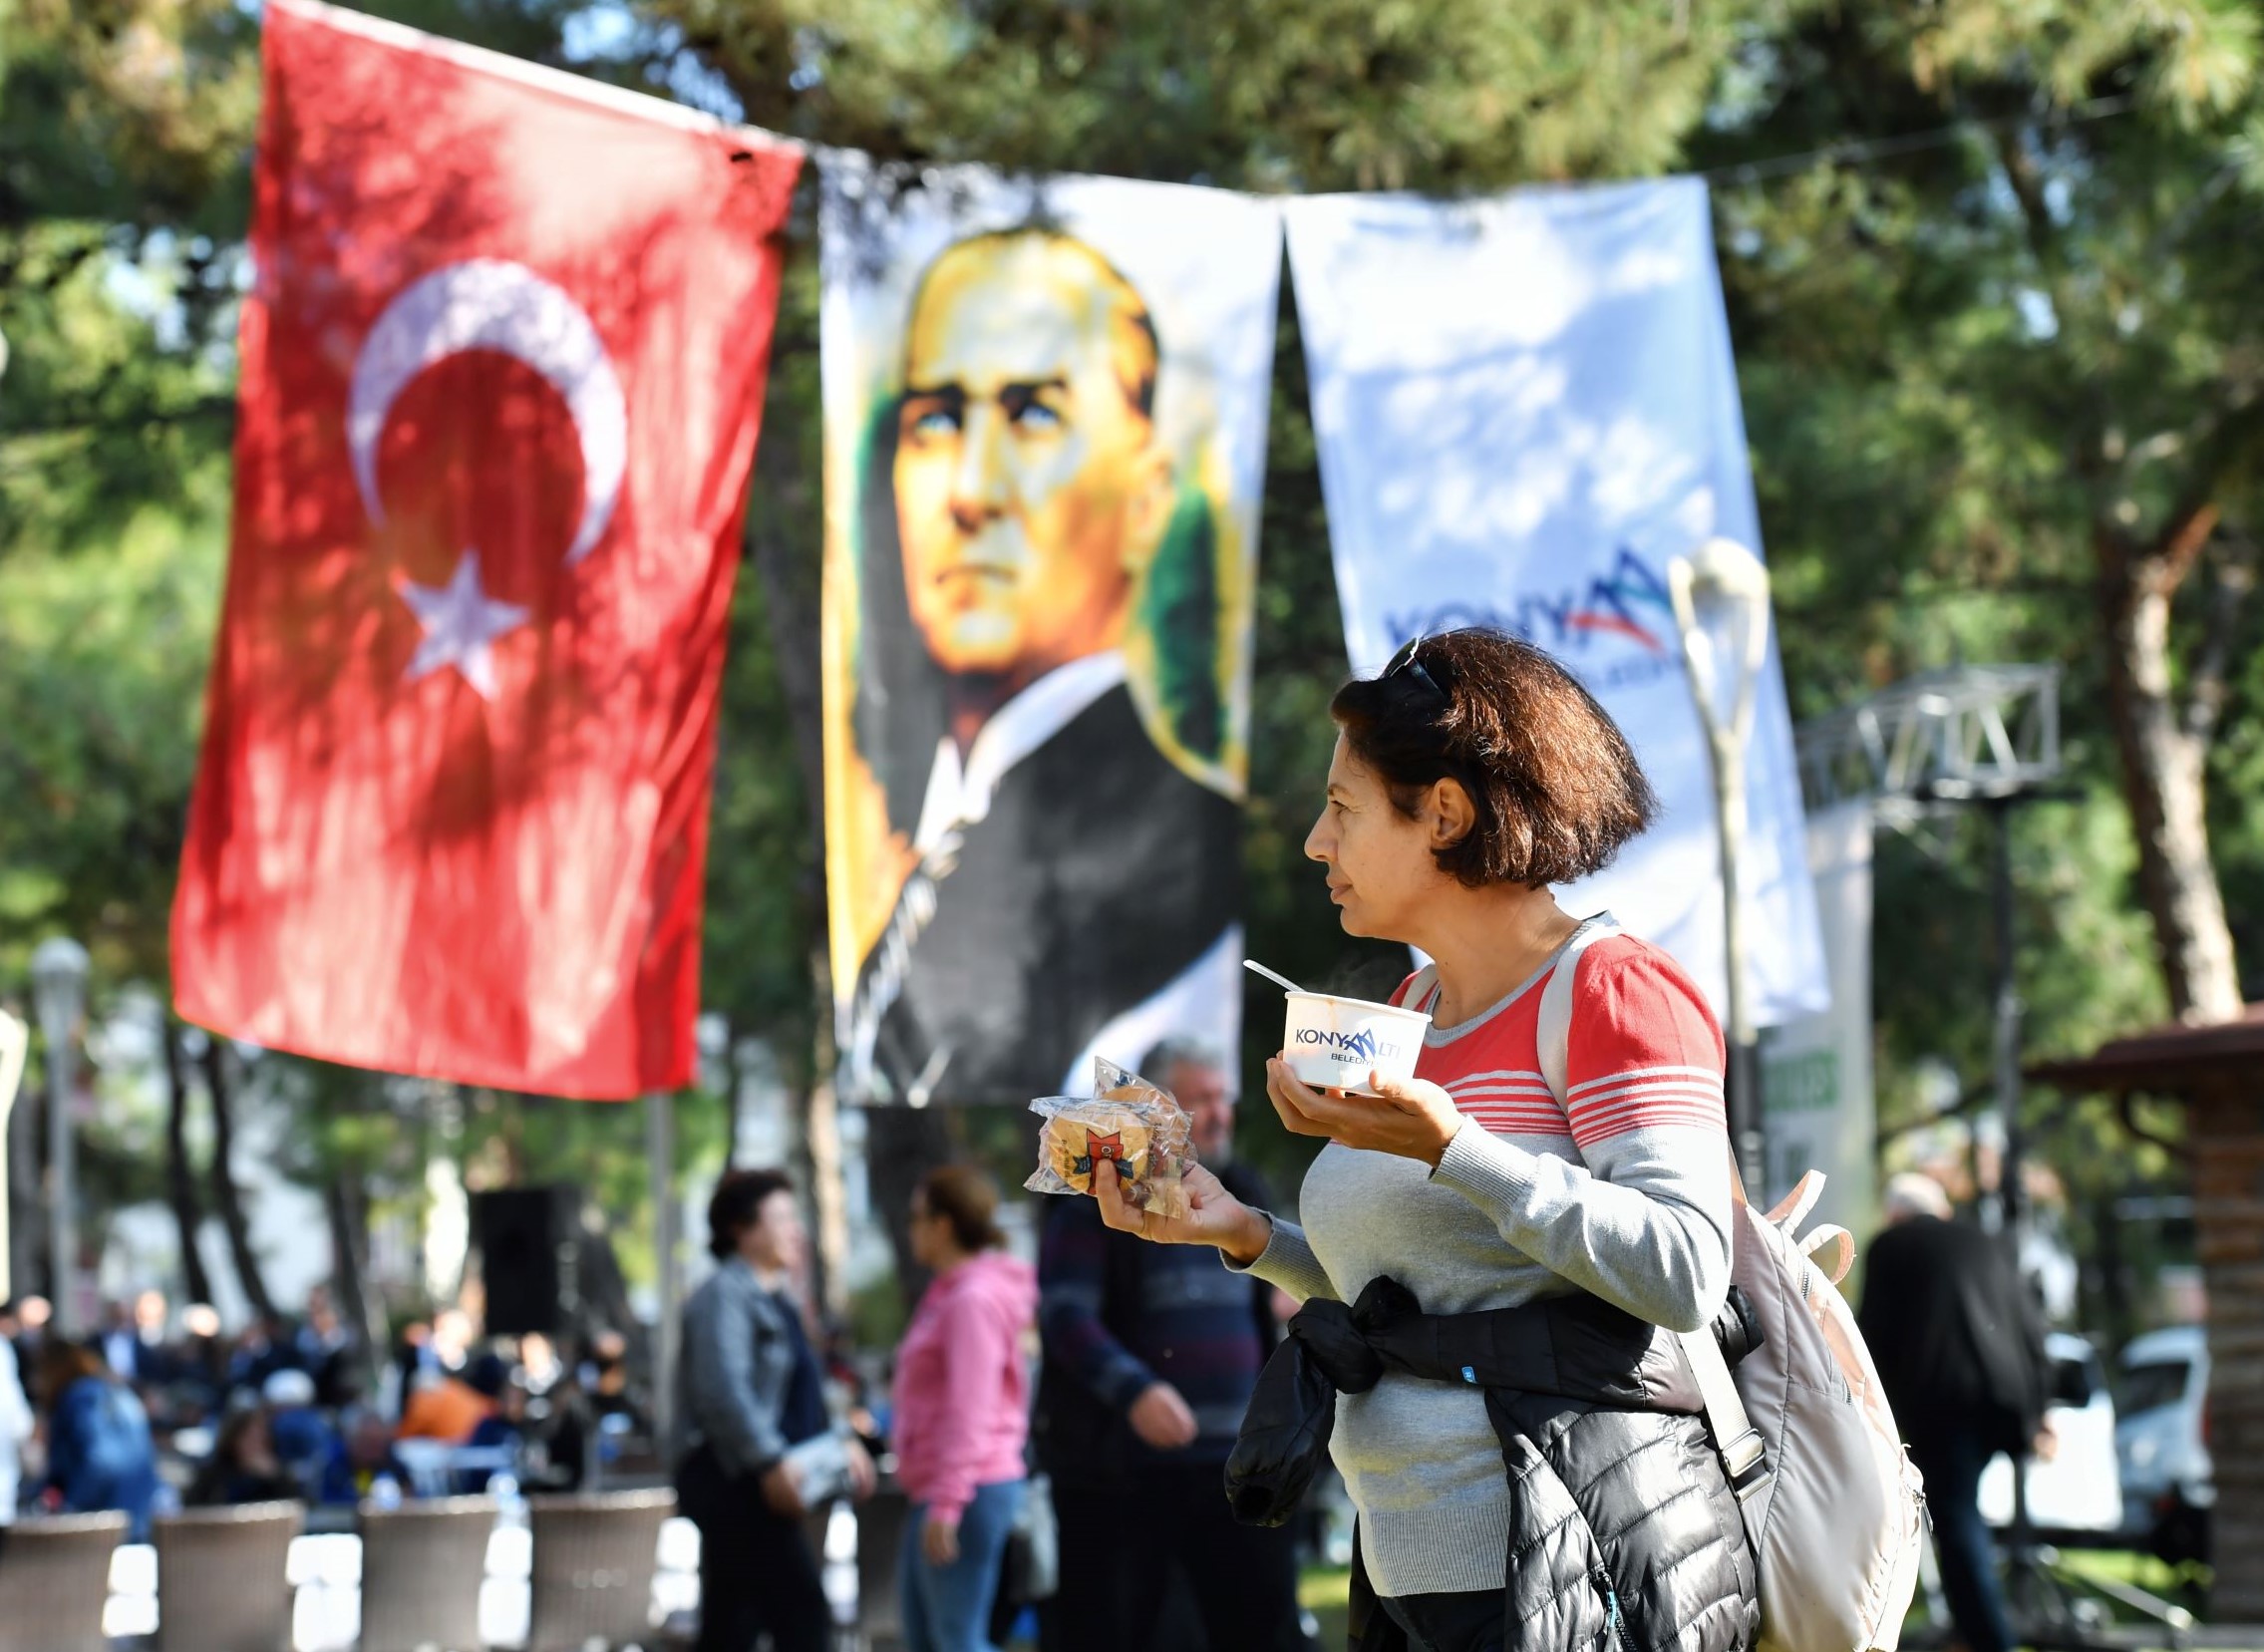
(459, 623)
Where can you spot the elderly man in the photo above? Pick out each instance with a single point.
(1959, 1342)
(1150, 1355)
(1073, 884)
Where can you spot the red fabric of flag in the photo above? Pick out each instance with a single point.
(502, 369)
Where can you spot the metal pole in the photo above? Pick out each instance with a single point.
(61, 1191)
(659, 1152)
(1735, 587)
(2011, 1199)
(2010, 1204)
(59, 989)
(1746, 1128)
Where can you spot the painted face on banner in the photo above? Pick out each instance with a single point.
(1029, 493)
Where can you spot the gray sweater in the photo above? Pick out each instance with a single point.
(1637, 1215)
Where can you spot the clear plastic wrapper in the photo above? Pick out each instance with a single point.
(1127, 1121)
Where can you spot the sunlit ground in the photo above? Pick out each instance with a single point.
(325, 1571)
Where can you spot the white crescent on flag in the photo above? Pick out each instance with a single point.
(493, 304)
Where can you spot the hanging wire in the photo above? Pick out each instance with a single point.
(1859, 151)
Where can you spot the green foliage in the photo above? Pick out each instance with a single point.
(765, 891)
(1959, 364)
(102, 653)
(1966, 369)
(119, 130)
(1256, 94)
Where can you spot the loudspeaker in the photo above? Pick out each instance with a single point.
(530, 1242)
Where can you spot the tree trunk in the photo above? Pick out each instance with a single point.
(821, 1136)
(180, 1175)
(902, 1144)
(733, 1078)
(2164, 774)
(791, 596)
(225, 1198)
(817, 1115)
(349, 1210)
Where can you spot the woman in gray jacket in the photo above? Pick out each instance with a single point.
(762, 1449)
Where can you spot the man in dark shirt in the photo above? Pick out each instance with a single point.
(1150, 1355)
(1959, 1344)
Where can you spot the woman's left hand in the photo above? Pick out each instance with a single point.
(939, 1539)
(1415, 1120)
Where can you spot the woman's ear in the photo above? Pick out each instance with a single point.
(1449, 813)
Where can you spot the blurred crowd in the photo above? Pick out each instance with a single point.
(159, 1410)
(1037, 1413)
(1057, 1434)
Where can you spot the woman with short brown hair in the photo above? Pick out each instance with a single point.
(1469, 776)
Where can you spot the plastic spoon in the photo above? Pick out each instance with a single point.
(1279, 980)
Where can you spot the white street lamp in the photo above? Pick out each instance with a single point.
(1720, 597)
(15, 1042)
(59, 994)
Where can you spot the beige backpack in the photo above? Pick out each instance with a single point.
(1834, 1509)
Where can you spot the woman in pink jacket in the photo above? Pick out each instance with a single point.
(962, 1411)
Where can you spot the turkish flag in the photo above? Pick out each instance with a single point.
(502, 369)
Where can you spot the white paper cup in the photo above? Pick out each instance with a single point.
(1334, 1043)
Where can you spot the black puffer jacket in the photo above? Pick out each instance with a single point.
(1624, 1533)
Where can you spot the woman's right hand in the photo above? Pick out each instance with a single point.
(1216, 1216)
(781, 1489)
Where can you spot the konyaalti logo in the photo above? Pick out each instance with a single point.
(1363, 1046)
(1629, 606)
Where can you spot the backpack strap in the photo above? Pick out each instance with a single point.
(1735, 1436)
(1420, 986)
(1792, 1209)
(1830, 1235)
(1555, 1031)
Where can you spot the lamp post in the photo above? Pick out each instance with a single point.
(660, 1155)
(59, 994)
(1721, 598)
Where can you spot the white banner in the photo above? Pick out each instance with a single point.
(1525, 408)
(1816, 1093)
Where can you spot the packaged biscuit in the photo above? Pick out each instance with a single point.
(1129, 1122)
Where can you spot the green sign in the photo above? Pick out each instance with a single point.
(1808, 1082)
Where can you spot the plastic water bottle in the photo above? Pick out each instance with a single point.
(384, 1492)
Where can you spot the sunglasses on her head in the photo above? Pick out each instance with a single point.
(1404, 663)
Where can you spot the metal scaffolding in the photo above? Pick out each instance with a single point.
(1967, 734)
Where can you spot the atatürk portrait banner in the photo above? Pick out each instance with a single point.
(1045, 445)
